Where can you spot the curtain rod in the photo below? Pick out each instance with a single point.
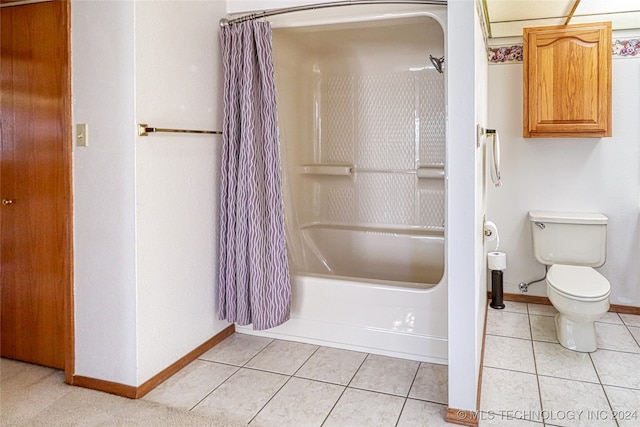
(265, 14)
(144, 130)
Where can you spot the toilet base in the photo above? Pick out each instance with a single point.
(576, 336)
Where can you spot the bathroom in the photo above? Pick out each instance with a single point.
(144, 275)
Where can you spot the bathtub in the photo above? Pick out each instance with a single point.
(361, 113)
(391, 257)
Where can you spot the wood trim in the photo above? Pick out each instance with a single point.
(69, 304)
(533, 299)
(484, 338)
(463, 418)
(105, 386)
(624, 309)
(165, 374)
(133, 392)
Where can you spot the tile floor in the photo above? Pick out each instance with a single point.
(264, 382)
(528, 380)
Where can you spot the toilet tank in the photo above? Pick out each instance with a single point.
(570, 238)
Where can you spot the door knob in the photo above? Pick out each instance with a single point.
(6, 202)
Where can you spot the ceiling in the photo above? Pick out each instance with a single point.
(507, 18)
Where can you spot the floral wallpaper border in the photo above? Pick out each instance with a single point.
(623, 48)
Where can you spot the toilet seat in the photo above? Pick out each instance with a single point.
(578, 282)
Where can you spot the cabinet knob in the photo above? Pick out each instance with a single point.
(6, 202)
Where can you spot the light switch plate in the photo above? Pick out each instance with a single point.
(82, 135)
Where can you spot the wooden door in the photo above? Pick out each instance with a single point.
(35, 183)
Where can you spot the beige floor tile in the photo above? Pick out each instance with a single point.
(332, 365)
(242, 396)
(361, 408)
(553, 360)
(615, 337)
(626, 405)
(504, 420)
(237, 349)
(191, 384)
(283, 357)
(630, 319)
(417, 413)
(610, 317)
(514, 307)
(617, 368)
(509, 394)
(635, 331)
(386, 375)
(431, 383)
(300, 402)
(509, 353)
(508, 324)
(568, 402)
(542, 310)
(543, 328)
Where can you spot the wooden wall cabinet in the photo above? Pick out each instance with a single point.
(567, 81)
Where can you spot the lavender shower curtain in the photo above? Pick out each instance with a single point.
(254, 274)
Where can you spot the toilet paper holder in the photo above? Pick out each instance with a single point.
(490, 231)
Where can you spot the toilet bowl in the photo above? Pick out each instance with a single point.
(572, 244)
(581, 296)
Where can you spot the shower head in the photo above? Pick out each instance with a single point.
(438, 63)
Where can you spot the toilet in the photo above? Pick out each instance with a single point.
(572, 244)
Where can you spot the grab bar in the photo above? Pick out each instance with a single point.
(422, 172)
(425, 172)
(334, 170)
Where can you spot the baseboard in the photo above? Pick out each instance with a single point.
(133, 392)
(484, 339)
(105, 386)
(624, 309)
(532, 299)
(464, 418)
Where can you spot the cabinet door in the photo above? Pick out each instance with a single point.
(567, 81)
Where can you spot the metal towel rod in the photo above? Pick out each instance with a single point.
(144, 130)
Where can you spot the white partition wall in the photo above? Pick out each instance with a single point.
(145, 208)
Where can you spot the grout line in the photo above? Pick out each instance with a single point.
(261, 350)
(290, 376)
(345, 389)
(306, 360)
(270, 399)
(637, 340)
(415, 375)
(535, 364)
(214, 389)
(602, 385)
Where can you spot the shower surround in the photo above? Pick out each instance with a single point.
(363, 132)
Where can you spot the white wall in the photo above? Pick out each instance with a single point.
(575, 174)
(240, 6)
(145, 207)
(104, 190)
(178, 85)
(465, 59)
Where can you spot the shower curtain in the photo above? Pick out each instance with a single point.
(254, 278)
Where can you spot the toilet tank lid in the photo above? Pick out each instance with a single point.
(567, 217)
